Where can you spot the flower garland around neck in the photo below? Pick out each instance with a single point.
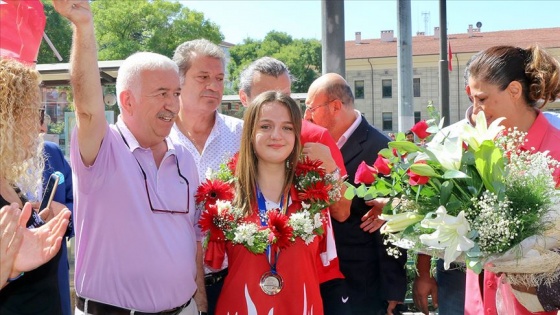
(221, 221)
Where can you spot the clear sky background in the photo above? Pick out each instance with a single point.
(302, 19)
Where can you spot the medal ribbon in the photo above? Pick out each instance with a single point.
(262, 216)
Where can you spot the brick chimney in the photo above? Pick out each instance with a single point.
(387, 36)
(358, 38)
(472, 30)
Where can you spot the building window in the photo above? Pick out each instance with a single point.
(359, 89)
(417, 117)
(416, 86)
(387, 86)
(387, 121)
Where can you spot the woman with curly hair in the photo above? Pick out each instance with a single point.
(21, 149)
(21, 166)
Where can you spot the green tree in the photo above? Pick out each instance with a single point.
(125, 27)
(302, 56)
(59, 31)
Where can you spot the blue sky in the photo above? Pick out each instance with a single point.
(302, 18)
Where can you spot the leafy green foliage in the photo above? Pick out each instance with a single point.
(302, 56)
(123, 29)
(56, 128)
(59, 31)
(157, 26)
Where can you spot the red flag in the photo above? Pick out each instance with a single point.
(450, 57)
(22, 24)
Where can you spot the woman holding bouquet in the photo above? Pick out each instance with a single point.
(511, 82)
(274, 272)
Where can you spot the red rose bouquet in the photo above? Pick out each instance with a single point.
(468, 194)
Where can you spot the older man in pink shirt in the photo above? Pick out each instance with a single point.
(135, 220)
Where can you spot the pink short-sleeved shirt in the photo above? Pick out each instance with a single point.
(127, 255)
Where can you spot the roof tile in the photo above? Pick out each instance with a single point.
(460, 43)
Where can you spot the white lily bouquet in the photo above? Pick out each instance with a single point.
(474, 196)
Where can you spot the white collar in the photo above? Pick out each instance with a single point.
(342, 141)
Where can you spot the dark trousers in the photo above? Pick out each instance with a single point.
(362, 280)
(212, 294)
(336, 300)
(214, 283)
(451, 289)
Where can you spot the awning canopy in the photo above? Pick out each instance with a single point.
(57, 74)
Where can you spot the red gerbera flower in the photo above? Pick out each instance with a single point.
(316, 191)
(212, 190)
(307, 165)
(280, 229)
(209, 221)
(232, 163)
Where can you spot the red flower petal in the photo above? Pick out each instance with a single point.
(209, 222)
(279, 227)
(415, 179)
(382, 165)
(232, 163)
(212, 190)
(365, 174)
(315, 192)
(307, 165)
(420, 129)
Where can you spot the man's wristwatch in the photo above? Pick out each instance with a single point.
(335, 174)
(202, 313)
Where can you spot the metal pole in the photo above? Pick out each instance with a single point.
(333, 49)
(372, 94)
(459, 90)
(48, 40)
(404, 65)
(443, 64)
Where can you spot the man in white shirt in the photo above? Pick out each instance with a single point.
(210, 136)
